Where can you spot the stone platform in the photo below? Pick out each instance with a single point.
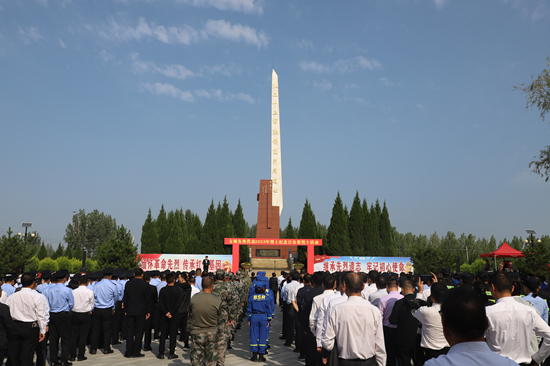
(269, 265)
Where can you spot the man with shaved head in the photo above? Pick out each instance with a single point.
(356, 327)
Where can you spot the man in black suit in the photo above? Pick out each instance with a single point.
(6, 323)
(205, 264)
(274, 285)
(182, 310)
(153, 298)
(137, 306)
(407, 326)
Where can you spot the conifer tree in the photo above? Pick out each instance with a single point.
(77, 254)
(149, 236)
(240, 229)
(42, 253)
(375, 229)
(225, 228)
(308, 230)
(194, 224)
(289, 230)
(337, 235)
(386, 234)
(209, 231)
(59, 252)
(183, 226)
(162, 228)
(118, 251)
(68, 252)
(174, 243)
(356, 227)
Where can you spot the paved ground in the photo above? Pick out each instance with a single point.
(238, 356)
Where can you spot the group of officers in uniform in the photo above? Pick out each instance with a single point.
(101, 309)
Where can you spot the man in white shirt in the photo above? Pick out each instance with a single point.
(375, 297)
(511, 324)
(290, 293)
(30, 319)
(81, 318)
(329, 282)
(162, 283)
(370, 286)
(194, 289)
(433, 340)
(464, 324)
(323, 309)
(356, 326)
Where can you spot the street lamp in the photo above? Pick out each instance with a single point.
(531, 232)
(26, 225)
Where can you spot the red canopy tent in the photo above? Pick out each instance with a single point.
(505, 251)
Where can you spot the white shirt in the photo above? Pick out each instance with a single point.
(280, 280)
(321, 312)
(432, 328)
(160, 285)
(333, 301)
(4, 297)
(368, 290)
(28, 306)
(509, 332)
(83, 300)
(315, 310)
(291, 291)
(357, 327)
(375, 297)
(426, 293)
(194, 290)
(471, 354)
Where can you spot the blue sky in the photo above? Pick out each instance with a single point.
(125, 105)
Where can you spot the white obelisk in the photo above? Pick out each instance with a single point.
(276, 173)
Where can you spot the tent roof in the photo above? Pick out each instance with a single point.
(505, 251)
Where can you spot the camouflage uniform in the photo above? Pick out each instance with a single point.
(204, 349)
(227, 313)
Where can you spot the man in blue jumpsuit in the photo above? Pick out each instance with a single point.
(259, 313)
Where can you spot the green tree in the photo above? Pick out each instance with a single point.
(356, 227)
(47, 263)
(337, 235)
(174, 243)
(289, 231)
(537, 256)
(149, 236)
(225, 228)
(42, 253)
(538, 96)
(75, 265)
(118, 251)
(194, 224)
(386, 234)
(89, 230)
(64, 263)
(308, 230)
(209, 231)
(162, 228)
(59, 252)
(32, 264)
(68, 252)
(240, 228)
(77, 254)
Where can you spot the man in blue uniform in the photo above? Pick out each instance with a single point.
(105, 295)
(259, 314)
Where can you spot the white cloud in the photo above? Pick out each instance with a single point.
(304, 44)
(188, 96)
(61, 43)
(323, 84)
(227, 70)
(184, 34)
(106, 56)
(30, 34)
(168, 89)
(236, 33)
(246, 6)
(439, 3)
(343, 66)
(315, 67)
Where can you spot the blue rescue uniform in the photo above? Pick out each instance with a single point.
(259, 313)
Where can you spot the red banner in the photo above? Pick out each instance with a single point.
(267, 241)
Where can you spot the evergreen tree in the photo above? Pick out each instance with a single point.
(193, 245)
(15, 254)
(492, 244)
(58, 253)
(68, 252)
(355, 227)
(225, 228)
(194, 224)
(337, 235)
(149, 236)
(308, 230)
(42, 253)
(289, 230)
(118, 251)
(183, 226)
(240, 229)
(209, 231)
(174, 243)
(386, 234)
(374, 227)
(77, 254)
(162, 228)
(368, 239)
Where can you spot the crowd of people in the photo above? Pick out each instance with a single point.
(343, 318)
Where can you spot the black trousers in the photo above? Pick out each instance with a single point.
(42, 350)
(80, 325)
(285, 315)
(60, 328)
(3, 355)
(434, 353)
(117, 322)
(183, 329)
(169, 328)
(405, 355)
(313, 358)
(135, 326)
(22, 342)
(390, 336)
(102, 323)
(148, 332)
(291, 312)
(156, 322)
(369, 362)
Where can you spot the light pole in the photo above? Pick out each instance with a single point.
(531, 232)
(26, 225)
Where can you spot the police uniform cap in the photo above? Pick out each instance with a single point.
(532, 282)
(33, 273)
(446, 271)
(9, 277)
(77, 277)
(62, 273)
(46, 274)
(130, 274)
(107, 271)
(466, 276)
(118, 272)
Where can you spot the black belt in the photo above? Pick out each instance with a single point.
(59, 312)
(257, 313)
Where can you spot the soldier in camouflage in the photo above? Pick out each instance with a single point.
(227, 315)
